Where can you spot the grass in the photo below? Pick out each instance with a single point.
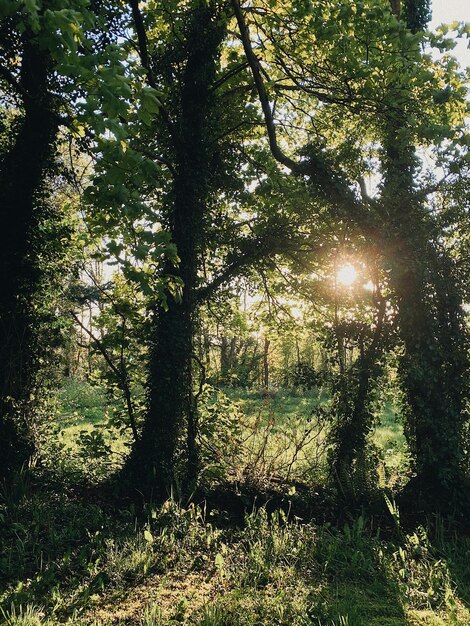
(389, 438)
(281, 434)
(65, 559)
(285, 403)
(84, 440)
(79, 564)
(287, 414)
(79, 402)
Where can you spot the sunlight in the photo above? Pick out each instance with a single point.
(346, 275)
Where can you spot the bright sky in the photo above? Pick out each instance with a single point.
(447, 11)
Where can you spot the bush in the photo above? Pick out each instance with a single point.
(302, 375)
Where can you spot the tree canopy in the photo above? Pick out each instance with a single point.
(200, 150)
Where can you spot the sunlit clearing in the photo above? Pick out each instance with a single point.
(346, 275)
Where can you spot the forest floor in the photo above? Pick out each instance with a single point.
(70, 554)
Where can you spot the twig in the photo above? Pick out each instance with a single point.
(123, 378)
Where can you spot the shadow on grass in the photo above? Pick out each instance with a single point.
(357, 588)
(292, 574)
(453, 549)
(66, 553)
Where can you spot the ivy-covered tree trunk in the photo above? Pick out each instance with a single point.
(163, 458)
(22, 170)
(354, 417)
(434, 364)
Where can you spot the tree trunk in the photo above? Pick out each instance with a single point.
(434, 366)
(162, 460)
(224, 359)
(354, 416)
(22, 172)
(266, 363)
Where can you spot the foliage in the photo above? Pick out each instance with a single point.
(303, 375)
(272, 568)
(220, 430)
(184, 183)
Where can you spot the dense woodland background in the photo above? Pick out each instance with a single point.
(234, 295)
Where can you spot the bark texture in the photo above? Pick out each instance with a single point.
(22, 170)
(166, 457)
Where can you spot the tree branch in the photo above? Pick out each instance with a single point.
(142, 41)
(122, 378)
(233, 72)
(204, 293)
(331, 183)
(251, 251)
(144, 54)
(254, 64)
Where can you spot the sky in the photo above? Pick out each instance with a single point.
(447, 11)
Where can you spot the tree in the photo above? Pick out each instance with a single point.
(51, 53)
(31, 39)
(434, 364)
(167, 192)
(153, 464)
(384, 84)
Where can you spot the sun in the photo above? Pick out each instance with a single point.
(346, 275)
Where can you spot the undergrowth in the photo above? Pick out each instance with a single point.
(64, 560)
(71, 554)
